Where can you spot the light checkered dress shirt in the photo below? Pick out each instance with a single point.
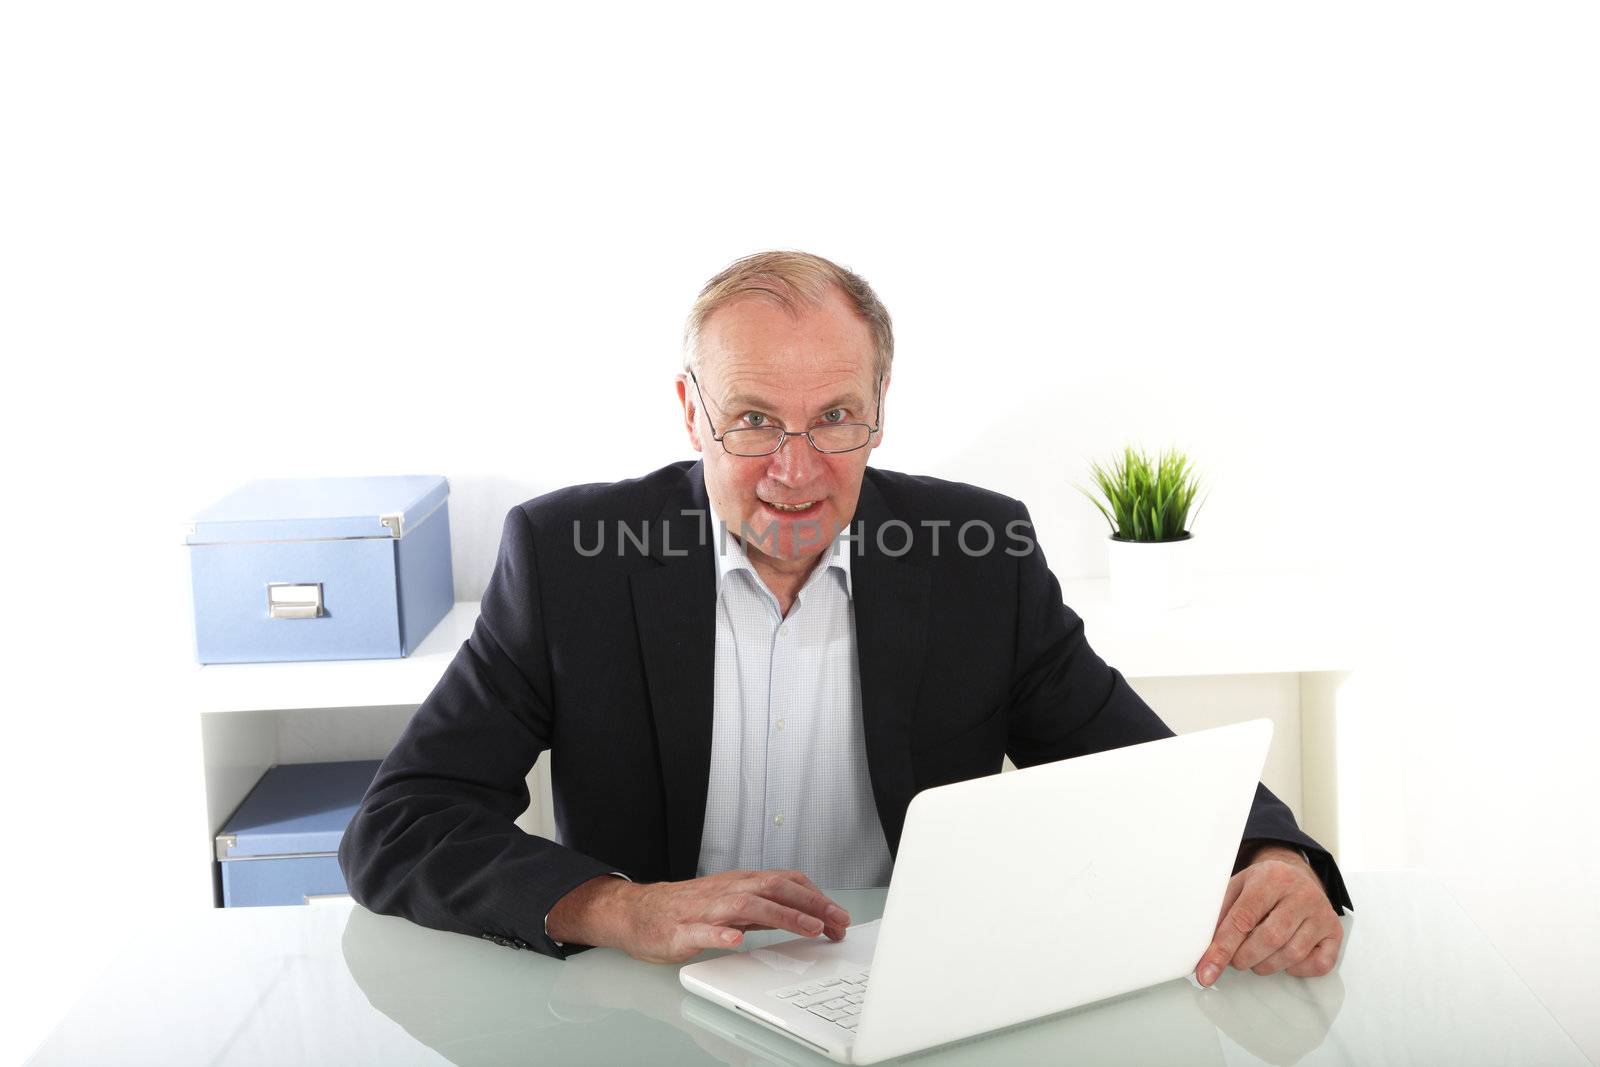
(789, 786)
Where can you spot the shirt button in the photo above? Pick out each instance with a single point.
(780, 724)
(777, 820)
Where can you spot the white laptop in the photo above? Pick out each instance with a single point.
(1017, 896)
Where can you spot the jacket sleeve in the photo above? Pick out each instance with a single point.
(435, 839)
(1066, 701)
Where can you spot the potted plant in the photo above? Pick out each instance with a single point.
(1147, 504)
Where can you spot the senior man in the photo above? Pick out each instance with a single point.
(745, 668)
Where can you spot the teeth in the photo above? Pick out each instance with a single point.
(791, 507)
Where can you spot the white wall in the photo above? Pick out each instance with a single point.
(1344, 255)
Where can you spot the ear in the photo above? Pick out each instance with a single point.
(691, 412)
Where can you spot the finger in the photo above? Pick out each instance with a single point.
(701, 936)
(1293, 951)
(1255, 902)
(833, 934)
(1321, 959)
(1235, 887)
(687, 941)
(806, 898)
(1270, 936)
(797, 877)
(842, 919)
(799, 892)
(744, 908)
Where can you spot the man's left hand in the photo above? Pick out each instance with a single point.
(1275, 916)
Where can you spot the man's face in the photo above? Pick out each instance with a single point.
(758, 366)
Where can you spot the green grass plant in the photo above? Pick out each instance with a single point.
(1145, 499)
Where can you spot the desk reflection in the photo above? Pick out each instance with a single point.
(475, 1003)
(1278, 1019)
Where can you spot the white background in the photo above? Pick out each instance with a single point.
(1345, 256)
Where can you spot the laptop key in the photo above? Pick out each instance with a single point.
(814, 987)
(813, 1000)
(848, 1022)
(852, 1009)
(827, 1013)
(837, 1002)
(785, 994)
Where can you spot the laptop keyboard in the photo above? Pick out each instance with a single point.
(836, 999)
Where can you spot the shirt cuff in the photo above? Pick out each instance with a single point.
(563, 944)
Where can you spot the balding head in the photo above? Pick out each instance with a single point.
(796, 282)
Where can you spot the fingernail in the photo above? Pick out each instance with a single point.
(838, 914)
(812, 923)
(1208, 974)
(730, 936)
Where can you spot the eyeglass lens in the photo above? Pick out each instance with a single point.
(764, 440)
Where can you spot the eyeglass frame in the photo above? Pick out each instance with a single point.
(784, 435)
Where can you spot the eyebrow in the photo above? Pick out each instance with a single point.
(742, 402)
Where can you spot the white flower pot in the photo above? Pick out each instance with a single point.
(1151, 576)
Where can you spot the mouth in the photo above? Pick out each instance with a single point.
(789, 511)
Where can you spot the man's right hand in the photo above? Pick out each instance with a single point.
(669, 922)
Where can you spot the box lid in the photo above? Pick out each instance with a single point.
(310, 509)
(297, 808)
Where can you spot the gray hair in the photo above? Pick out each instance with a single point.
(793, 281)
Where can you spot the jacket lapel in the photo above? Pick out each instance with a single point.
(891, 598)
(674, 608)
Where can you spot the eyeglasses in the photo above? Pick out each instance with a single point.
(829, 437)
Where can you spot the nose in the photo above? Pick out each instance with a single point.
(794, 463)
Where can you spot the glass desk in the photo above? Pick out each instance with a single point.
(335, 984)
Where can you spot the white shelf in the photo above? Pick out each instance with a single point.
(1235, 624)
(222, 687)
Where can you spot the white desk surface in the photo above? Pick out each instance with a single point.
(1236, 624)
(334, 983)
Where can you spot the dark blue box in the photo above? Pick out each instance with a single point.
(282, 845)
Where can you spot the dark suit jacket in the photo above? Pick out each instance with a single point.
(606, 659)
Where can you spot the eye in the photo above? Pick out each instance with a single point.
(755, 418)
(836, 415)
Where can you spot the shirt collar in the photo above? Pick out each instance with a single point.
(730, 555)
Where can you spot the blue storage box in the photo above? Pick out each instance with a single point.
(321, 568)
(282, 845)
